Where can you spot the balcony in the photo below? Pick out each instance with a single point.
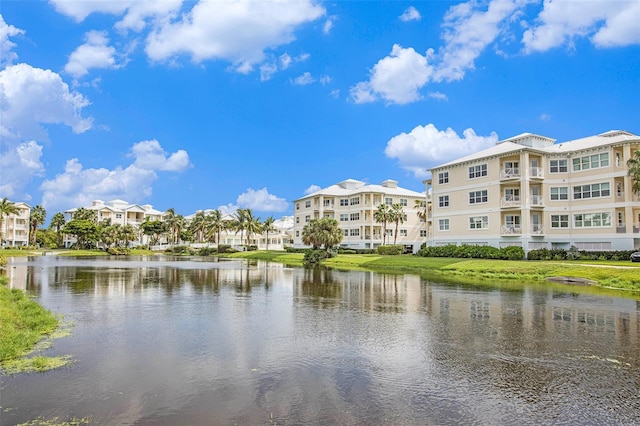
(636, 228)
(536, 173)
(621, 228)
(510, 230)
(537, 229)
(510, 173)
(511, 202)
(536, 201)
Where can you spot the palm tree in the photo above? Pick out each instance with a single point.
(267, 227)
(86, 214)
(381, 215)
(38, 215)
(57, 222)
(397, 216)
(198, 225)
(170, 219)
(127, 234)
(634, 170)
(422, 213)
(6, 208)
(252, 225)
(238, 222)
(179, 224)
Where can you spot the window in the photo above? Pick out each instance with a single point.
(355, 216)
(423, 233)
(591, 191)
(307, 204)
(118, 215)
(403, 233)
(559, 193)
(297, 233)
(388, 201)
(592, 220)
(344, 202)
(443, 178)
(476, 197)
(345, 232)
(297, 219)
(307, 219)
(297, 206)
(478, 222)
(403, 202)
(355, 201)
(443, 224)
(512, 221)
(354, 232)
(591, 162)
(512, 194)
(344, 217)
(559, 220)
(477, 171)
(389, 232)
(443, 201)
(558, 166)
(326, 203)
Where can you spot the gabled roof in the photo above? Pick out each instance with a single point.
(352, 187)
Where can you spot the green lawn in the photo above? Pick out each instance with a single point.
(613, 274)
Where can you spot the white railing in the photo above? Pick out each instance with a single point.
(537, 229)
(510, 173)
(536, 200)
(511, 230)
(536, 172)
(636, 228)
(512, 201)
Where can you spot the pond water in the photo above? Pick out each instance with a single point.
(197, 341)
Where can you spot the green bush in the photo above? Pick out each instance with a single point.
(118, 251)
(314, 257)
(467, 251)
(223, 248)
(207, 251)
(392, 250)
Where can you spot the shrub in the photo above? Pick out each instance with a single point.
(314, 257)
(118, 251)
(223, 248)
(391, 250)
(207, 251)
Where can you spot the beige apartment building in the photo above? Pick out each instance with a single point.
(353, 203)
(531, 192)
(118, 212)
(15, 227)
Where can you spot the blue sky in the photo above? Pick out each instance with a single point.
(225, 104)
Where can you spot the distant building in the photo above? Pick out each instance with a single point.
(531, 192)
(353, 203)
(15, 227)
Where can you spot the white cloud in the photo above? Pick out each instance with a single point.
(324, 80)
(78, 186)
(19, 165)
(396, 78)
(134, 12)
(304, 79)
(438, 96)
(95, 53)
(335, 93)
(426, 146)
(312, 189)
(210, 31)
(328, 24)
(545, 117)
(410, 14)
(261, 200)
(150, 155)
(7, 57)
(285, 61)
(467, 33)
(267, 70)
(33, 96)
(607, 23)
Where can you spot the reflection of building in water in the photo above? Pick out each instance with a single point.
(467, 310)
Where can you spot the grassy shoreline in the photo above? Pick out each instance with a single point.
(617, 275)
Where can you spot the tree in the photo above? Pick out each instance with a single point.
(57, 222)
(86, 214)
(238, 222)
(214, 225)
(322, 232)
(6, 208)
(84, 230)
(381, 215)
(422, 213)
(198, 225)
(154, 229)
(38, 215)
(126, 234)
(170, 221)
(397, 216)
(267, 227)
(252, 225)
(634, 170)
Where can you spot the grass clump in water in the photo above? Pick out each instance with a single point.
(24, 323)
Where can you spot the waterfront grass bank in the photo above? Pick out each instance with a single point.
(612, 274)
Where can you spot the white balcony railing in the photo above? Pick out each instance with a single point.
(536, 172)
(536, 201)
(511, 201)
(510, 173)
(636, 228)
(511, 230)
(537, 229)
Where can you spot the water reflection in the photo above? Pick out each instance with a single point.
(203, 341)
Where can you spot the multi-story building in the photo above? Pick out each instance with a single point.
(15, 227)
(353, 204)
(118, 212)
(531, 192)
